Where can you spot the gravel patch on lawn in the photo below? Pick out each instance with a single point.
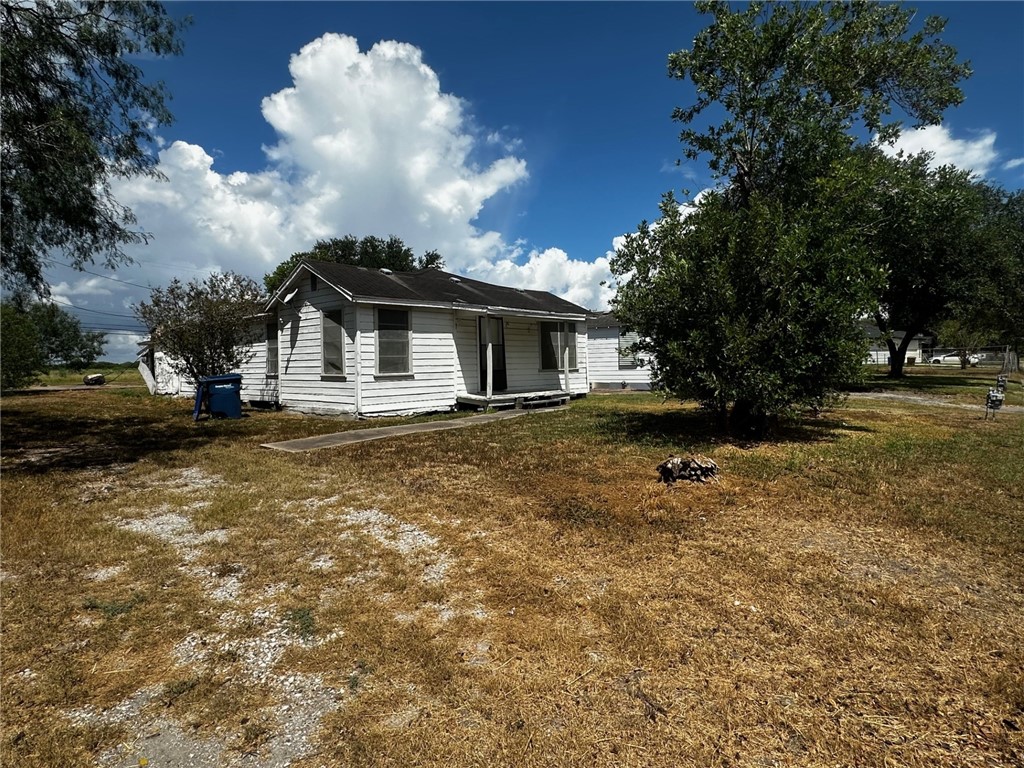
(254, 630)
(406, 539)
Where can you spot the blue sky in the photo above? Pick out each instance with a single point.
(519, 139)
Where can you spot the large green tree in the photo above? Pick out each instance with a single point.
(21, 353)
(949, 245)
(750, 303)
(205, 327)
(372, 252)
(64, 343)
(76, 113)
(999, 306)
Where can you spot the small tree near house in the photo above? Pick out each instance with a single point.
(204, 327)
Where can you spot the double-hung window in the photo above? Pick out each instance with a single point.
(394, 347)
(272, 349)
(333, 348)
(627, 352)
(555, 340)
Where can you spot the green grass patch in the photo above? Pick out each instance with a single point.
(301, 622)
(112, 608)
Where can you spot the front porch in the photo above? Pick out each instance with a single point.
(518, 360)
(515, 399)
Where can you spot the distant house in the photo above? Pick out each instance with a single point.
(878, 352)
(159, 375)
(350, 340)
(612, 364)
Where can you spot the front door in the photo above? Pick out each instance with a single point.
(497, 330)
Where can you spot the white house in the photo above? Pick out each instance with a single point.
(878, 351)
(351, 340)
(612, 364)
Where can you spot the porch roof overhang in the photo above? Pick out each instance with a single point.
(513, 312)
(471, 309)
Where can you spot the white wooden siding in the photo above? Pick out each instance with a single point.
(300, 370)
(603, 346)
(256, 385)
(432, 384)
(168, 382)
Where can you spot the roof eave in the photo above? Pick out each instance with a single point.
(466, 307)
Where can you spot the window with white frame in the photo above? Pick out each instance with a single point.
(555, 339)
(627, 352)
(272, 349)
(333, 347)
(394, 347)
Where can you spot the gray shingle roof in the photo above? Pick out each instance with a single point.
(437, 287)
(603, 320)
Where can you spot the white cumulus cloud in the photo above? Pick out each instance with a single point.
(978, 155)
(367, 143)
(581, 282)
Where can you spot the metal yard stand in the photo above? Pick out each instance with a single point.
(993, 403)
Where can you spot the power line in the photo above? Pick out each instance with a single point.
(109, 324)
(113, 325)
(121, 333)
(104, 329)
(171, 267)
(105, 277)
(86, 309)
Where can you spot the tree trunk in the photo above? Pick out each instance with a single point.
(748, 420)
(896, 359)
(897, 353)
(896, 363)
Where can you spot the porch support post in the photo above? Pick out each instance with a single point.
(565, 365)
(358, 361)
(490, 356)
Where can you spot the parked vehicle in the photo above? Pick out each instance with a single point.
(954, 359)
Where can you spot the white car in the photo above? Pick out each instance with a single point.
(954, 359)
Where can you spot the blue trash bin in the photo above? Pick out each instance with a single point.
(219, 396)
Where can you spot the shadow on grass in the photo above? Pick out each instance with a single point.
(697, 430)
(39, 439)
(927, 378)
(46, 430)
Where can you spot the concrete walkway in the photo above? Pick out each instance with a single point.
(379, 433)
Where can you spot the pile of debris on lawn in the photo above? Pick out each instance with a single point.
(696, 469)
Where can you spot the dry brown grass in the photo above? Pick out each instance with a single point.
(521, 593)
